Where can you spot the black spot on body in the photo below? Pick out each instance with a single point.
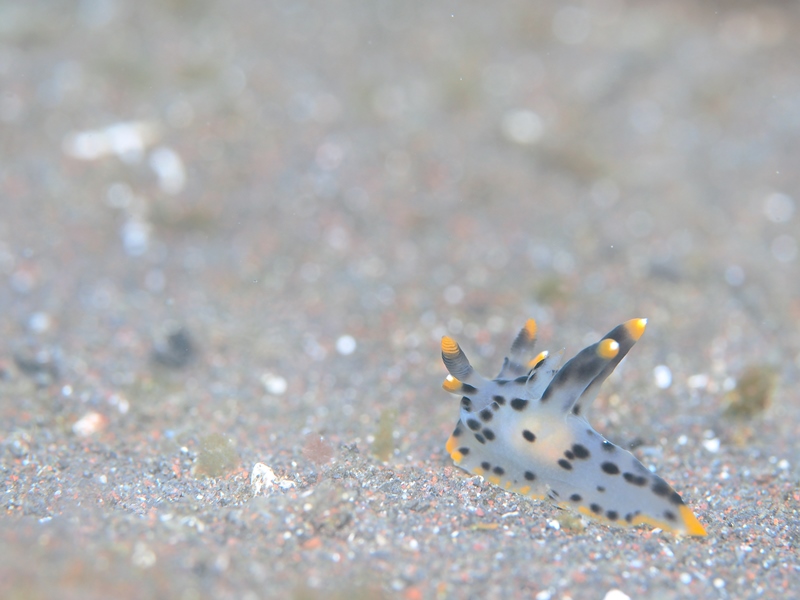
(569, 455)
(595, 508)
(670, 516)
(473, 424)
(499, 399)
(498, 471)
(661, 488)
(612, 515)
(501, 382)
(580, 451)
(608, 446)
(528, 435)
(468, 389)
(565, 464)
(464, 451)
(480, 438)
(601, 489)
(466, 403)
(488, 434)
(495, 406)
(486, 415)
(575, 497)
(519, 404)
(521, 379)
(457, 431)
(610, 468)
(529, 476)
(635, 479)
(485, 466)
(576, 410)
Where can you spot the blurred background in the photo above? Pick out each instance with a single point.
(241, 228)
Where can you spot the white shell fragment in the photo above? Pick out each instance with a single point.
(90, 423)
(263, 478)
(126, 139)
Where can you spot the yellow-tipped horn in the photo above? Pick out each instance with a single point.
(635, 327)
(607, 349)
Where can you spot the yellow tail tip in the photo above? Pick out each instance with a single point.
(636, 327)
(693, 526)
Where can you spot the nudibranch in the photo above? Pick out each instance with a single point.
(525, 431)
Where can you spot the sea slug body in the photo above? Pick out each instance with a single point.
(526, 431)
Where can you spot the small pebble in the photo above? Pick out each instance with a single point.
(125, 139)
(169, 169)
(135, 234)
(260, 477)
(274, 384)
(698, 381)
(42, 365)
(346, 345)
(216, 456)
(176, 351)
(90, 423)
(143, 556)
(663, 376)
(39, 322)
(522, 127)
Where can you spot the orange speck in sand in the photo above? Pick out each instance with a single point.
(312, 544)
(578, 577)
(413, 593)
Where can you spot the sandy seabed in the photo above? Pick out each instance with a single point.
(233, 234)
